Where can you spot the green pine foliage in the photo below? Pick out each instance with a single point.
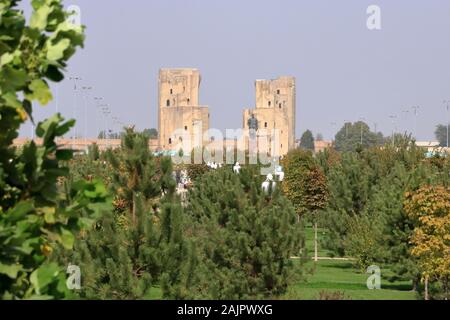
(349, 189)
(134, 250)
(244, 237)
(307, 141)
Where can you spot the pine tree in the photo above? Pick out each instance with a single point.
(349, 187)
(307, 141)
(143, 246)
(176, 252)
(245, 238)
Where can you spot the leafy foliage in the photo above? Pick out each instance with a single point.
(304, 182)
(35, 215)
(349, 137)
(441, 135)
(429, 207)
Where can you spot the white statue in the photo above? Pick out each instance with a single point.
(237, 168)
(269, 182)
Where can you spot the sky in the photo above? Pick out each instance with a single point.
(343, 70)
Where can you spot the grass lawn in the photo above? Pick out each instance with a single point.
(332, 276)
(337, 275)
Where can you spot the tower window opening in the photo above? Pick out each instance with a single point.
(278, 91)
(185, 128)
(171, 91)
(168, 103)
(188, 101)
(170, 140)
(279, 106)
(270, 103)
(265, 124)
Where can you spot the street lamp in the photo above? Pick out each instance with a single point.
(98, 101)
(447, 107)
(75, 79)
(106, 113)
(416, 113)
(393, 117)
(85, 90)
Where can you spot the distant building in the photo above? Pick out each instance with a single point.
(275, 110)
(320, 146)
(429, 145)
(83, 144)
(180, 114)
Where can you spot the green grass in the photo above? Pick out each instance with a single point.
(309, 242)
(337, 275)
(332, 276)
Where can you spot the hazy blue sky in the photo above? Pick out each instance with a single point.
(343, 70)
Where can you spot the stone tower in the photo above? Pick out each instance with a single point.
(180, 114)
(275, 109)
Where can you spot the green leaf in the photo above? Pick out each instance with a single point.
(12, 79)
(64, 154)
(20, 211)
(54, 74)
(49, 214)
(10, 270)
(40, 92)
(43, 276)
(63, 129)
(6, 58)
(55, 52)
(39, 17)
(67, 239)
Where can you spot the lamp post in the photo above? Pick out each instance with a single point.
(75, 79)
(447, 107)
(416, 114)
(98, 101)
(405, 113)
(85, 90)
(393, 117)
(106, 113)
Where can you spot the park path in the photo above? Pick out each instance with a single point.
(329, 258)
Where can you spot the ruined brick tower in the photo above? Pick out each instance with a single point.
(275, 109)
(180, 114)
